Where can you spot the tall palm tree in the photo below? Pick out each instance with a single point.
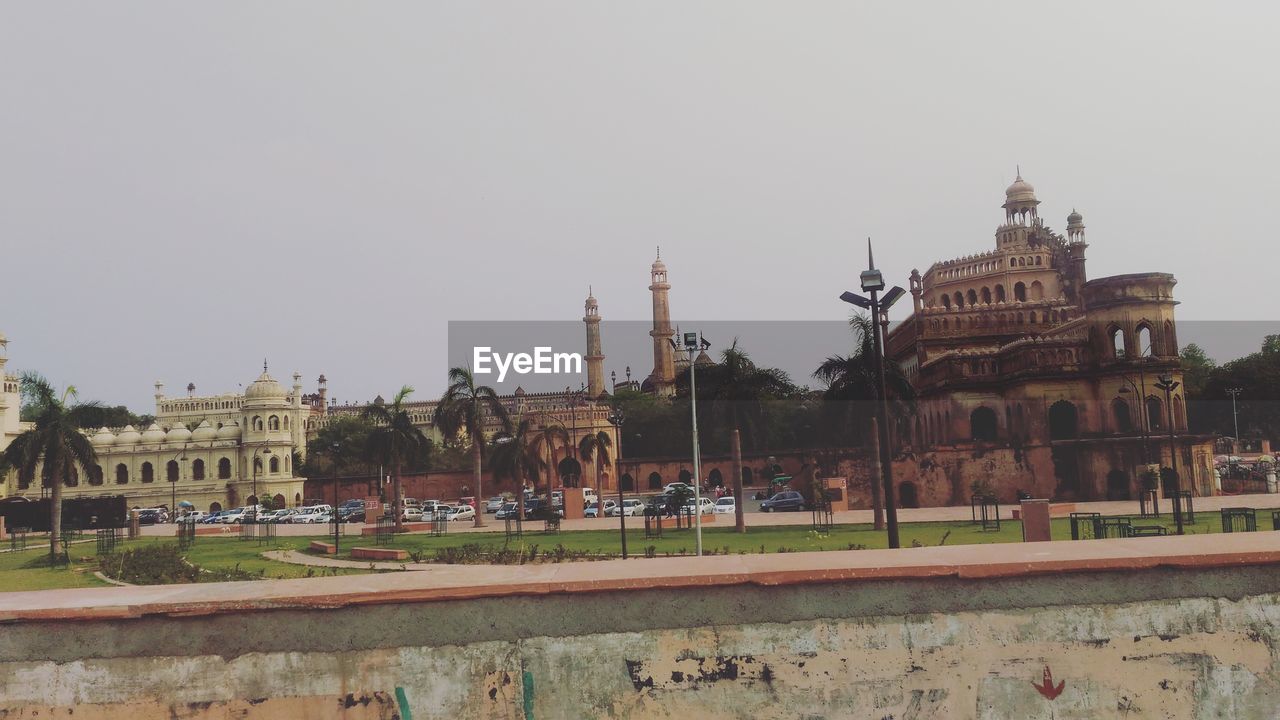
(595, 447)
(736, 391)
(853, 388)
(54, 445)
(548, 436)
(462, 410)
(517, 455)
(393, 440)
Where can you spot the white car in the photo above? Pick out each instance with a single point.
(462, 512)
(232, 517)
(313, 514)
(593, 509)
(630, 508)
(726, 505)
(196, 516)
(272, 516)
(411, 513)
(708, 506)
(672, 487)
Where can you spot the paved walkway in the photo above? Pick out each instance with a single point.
(755, 518)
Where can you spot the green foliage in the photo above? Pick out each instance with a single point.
(164, 564)
(393, 440)
(852, 388)
(1258, 377)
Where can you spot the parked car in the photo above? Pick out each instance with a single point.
(462, 512)
(593, 509)
(149, 516)
(673, 487)
(232, 517)
(630, 507)
(411, 513)
(272, 516)
(195, 516)
(468, 500)
(213, 518)
(312, 515)
(785, 500)
(494, 504)
(351, 513)
(707, 505)
(508, 510)
(726, 505)
(322, 518)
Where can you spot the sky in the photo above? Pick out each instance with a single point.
(188, 188)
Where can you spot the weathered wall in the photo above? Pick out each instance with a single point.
(1158, 643)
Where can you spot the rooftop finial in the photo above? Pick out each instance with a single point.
(590, 292)
(871, 261)
(659, 252)
(264, 366)
(1018, 170)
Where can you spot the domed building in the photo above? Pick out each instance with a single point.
(215, 452)
(1029, 374)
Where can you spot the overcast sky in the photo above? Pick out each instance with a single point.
(186, 188)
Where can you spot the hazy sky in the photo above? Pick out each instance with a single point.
(185, 188)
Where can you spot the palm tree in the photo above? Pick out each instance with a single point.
(54, 445)
(546, 438)
(394, 440)
(462, 409)
(517, 455)
(596, 447)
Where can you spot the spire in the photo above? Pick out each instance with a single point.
(659, 252)
(264, 366)
(871, 260)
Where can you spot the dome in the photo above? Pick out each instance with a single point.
(1020, 191)
(1075, 218)
(153, 434)
(178, 433)
(230, 431)
(264, 389)
(128, 436)
(103, 438)
(204, 431)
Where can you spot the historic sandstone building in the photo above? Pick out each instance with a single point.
(1032, 377)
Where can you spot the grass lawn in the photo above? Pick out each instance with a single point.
(27, 570)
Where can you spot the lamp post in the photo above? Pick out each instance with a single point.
(173, 484)
(872, 282)
(336, 519)
(616, 418)
(257, 500)
(694, 342)
(1235, 419)
(1168, 385)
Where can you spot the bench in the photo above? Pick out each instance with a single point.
(379, 554)
(321, 547)
(1148, 531)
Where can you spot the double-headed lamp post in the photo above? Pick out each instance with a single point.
(872, 283)
(694, 342)
(1235, 419)
(616, 418)
(1168, 385)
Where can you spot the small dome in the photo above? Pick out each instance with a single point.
(178, 433)
(103, 438)
(204, 431)
(1075, 218)
(153, 434)
(128, 436)
(264, 389)
(230, 431)
(1020, 191)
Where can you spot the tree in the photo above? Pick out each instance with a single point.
(1197, 369)
(595, 447)
(393, 440)
(735, 393)
(462, 410)
(53, 447)
(517, 455)
(546, 438)
(852, 386)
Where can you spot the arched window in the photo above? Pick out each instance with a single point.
(972, 297)
(273, 423)
(982, 424)
(986, 296)
(197, 470)
(715, 477)
(122, 474)
(1019, 292)
(686, 477)
(95, 475)
(1022, 262)
(257, 423)
(628, 483)
(1037, 290)
(1117, 342)
(1145, 348)
(215, 507)
(1031, 318)
(1063, 421)
(1155, 413)
(748, 476)
(655, 481)
(286, 422)
(275, 464)
(286, 463)
(1000, 293)
(946, 301)
(257, 465)
(1120, 413)
(171, 471)
(958, 298)
(224, 469)
(1037, 259)
(1179, 414)
(148, 472)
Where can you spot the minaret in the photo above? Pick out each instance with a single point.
(1076, 246)
(663, 376)
(595, 356)
(323, 383)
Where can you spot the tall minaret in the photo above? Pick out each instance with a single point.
(663, 377)
(595, 356)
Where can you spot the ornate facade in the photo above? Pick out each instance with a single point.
(1015, 350)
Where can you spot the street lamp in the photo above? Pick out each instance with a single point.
(336, 519)
(1168, 385)
(694, 342)
(1235, 419)
(173, 484)
(257, 500)
(616, 418)
(873, 282)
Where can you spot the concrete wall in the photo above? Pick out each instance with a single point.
(1155, 643)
